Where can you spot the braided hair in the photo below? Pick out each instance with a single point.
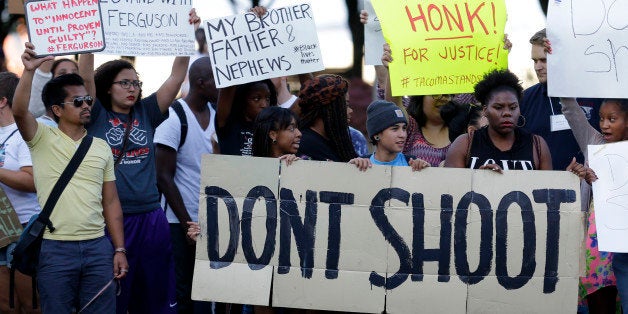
(323, 97)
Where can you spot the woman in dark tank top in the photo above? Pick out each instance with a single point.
(502, 144)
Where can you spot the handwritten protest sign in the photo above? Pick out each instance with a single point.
(10, 227)
(373, 37)
(442, 46)
(589, 49)
(326, 236)
(245, 48)
(610, 195)
(61, 27)
(148, 27)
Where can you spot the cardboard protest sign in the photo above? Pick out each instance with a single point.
(373, 37)
(10, 227)
(610, 195)
(442, 46)
(326, 236)
(246, 48)
(589, 49)
(62, 27)
(148, 27)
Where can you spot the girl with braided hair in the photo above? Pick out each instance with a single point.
(323, 101)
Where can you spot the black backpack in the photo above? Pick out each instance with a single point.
(178, 109)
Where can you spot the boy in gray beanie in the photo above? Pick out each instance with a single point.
(386, 126)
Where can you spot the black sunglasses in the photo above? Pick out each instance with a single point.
(78, 101)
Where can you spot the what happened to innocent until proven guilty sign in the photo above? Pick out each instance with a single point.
(327, 236)
(246, 48)
(61, 27)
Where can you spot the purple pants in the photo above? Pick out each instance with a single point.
(149, 286)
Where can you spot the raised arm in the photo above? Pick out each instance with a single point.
(86, 71)
(584, 133)
(223, 109)
(26, 122)
(168, 91)
(386, 60)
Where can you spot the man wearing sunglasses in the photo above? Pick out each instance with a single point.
(77, 262)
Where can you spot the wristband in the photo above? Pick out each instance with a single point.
(120, 250)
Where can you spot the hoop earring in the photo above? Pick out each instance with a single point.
(274, 141)
(376, 137)
(524, 121)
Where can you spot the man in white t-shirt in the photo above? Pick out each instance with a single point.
(179, 169)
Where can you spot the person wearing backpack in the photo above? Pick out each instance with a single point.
(77, 263)
(180, 141)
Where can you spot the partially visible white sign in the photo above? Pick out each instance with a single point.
(589, 48)
(373, 37)
(610, 195)
(148, 27)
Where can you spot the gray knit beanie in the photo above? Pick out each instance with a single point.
(382, 114)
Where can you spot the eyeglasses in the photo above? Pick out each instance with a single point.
(78, 101)
(126, 84)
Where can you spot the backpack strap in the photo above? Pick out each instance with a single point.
(178, 109)
(63, 181)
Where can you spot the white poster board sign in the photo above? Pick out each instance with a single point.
(610, 195)
(62, 27)
(326, 236)
(589, 49)
(148, 27)
(373, 37)
(246, 48)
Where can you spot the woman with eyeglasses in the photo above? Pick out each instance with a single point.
(127, 122)
(502, 145)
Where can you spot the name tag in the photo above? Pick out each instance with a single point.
(558, 122)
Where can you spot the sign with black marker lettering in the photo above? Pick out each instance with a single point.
(324, 235)
(148, 27)
(62, 27)
(610, 195)
(589, 49)
(246, 48)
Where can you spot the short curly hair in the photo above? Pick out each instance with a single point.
(104, 76)
(497, 81)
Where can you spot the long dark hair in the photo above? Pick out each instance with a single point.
(104, 76)
(415, 110)
(324, 97)
(270, 119)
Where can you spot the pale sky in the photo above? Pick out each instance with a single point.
(524, 19)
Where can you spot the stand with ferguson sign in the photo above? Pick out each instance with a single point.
(327, 236)
(246, 48)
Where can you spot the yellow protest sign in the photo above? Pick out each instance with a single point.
(442, 46)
